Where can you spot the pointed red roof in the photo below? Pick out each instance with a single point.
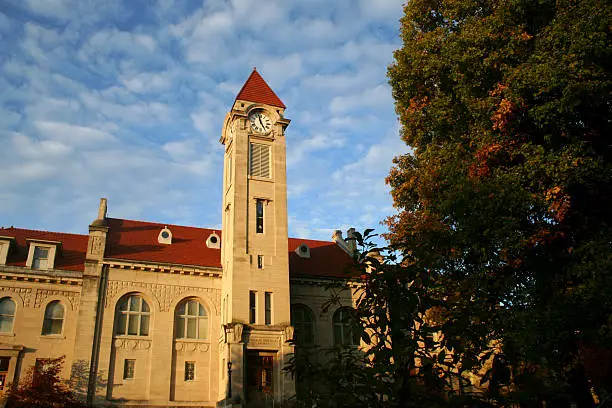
(255, 89)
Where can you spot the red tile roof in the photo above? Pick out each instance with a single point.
(255, 89)
(71, 257)
(137, 241)
(327, 260)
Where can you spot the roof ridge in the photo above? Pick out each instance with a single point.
(165, 224)
(43, 231)
(313, 240)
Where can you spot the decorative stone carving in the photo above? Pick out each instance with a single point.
(97, 246)
(132, 344)
(24, 293)
(42, 294)
(289, 333)
(190, 347)
(263, 341)
(165, 295)
(237, 333)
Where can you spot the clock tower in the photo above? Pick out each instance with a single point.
(254, 253)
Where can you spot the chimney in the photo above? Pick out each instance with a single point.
(351, 243)
(102, 209)
(337, 238)
(100, 221)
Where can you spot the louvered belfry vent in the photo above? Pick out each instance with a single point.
(260, 160)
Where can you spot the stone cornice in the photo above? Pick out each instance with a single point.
(20, 273)
(312, 281)
(164, 268)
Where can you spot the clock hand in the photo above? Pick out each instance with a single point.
(262, 125)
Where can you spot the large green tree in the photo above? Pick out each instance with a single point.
(505, 200)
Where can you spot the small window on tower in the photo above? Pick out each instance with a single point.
(260, 261)
(259, 216)
(252, 307)
(268, 307)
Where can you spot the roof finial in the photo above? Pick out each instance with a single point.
(254, 68)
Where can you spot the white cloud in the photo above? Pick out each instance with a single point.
(31, 149)
(73, 135)
(148, 82)
(51, 8)
(377, 96)
(298, 150)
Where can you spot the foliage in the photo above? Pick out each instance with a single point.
(504, 201)
(43, 388)
(402, 362)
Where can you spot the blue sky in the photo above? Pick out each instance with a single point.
(126, 99)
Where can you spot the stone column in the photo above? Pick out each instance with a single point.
(287, 381)
(237, 358)
(83, 372)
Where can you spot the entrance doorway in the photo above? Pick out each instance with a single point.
(260, 376)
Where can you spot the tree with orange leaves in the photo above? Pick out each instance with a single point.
(505, 200)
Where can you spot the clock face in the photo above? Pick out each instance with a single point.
(260, 122)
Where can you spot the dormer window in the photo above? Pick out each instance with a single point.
(5, 247)
(303, 251)
(40, 260)
(165, 236)
(213, 241)
(42, 253)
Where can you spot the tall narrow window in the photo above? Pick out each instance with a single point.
(268, 307)
(189, 370)
(260, 261)
(191, 320)
(302, 319)
(227, 306)
(54, 319)
(259, 216)
(252, 307)
(129, 366)
(228, 170)
(223, 308)
(259, 160)
(343, 333)
(7, 315)
(41, 258)
(133, 315)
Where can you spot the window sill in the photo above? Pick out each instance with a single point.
(130, 337)
(52, 336)
(266, 179)
(11, 334)
(181, 340)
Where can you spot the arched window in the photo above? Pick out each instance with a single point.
(133, 315)
(54, 318)
(7, 315)
(343, 333)
(191, 320)
(303, 321)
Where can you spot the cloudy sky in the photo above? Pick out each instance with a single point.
(126, 99)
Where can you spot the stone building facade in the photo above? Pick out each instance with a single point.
(151, 314)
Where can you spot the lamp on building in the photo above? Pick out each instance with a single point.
(229, 378)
